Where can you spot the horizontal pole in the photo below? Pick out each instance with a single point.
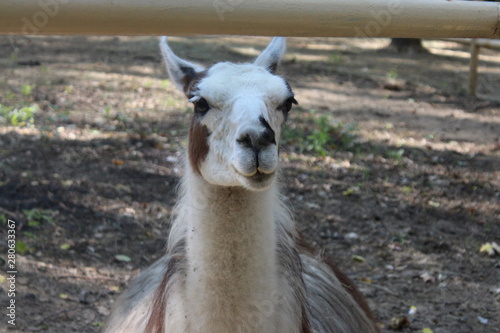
(333, 18)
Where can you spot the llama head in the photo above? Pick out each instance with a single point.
(239, 110)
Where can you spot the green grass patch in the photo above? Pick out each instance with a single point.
(320, 134)
(27, 89)
(392, 74)
(21, 247)
(336, 58)
(37, 216)
(19, 117)
(395, 154)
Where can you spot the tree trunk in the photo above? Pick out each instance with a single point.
(407, 45)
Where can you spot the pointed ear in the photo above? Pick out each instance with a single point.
(272, 55)
(181, 72)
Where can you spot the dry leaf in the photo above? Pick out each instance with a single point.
(124, 188)
(65, 246)
(433, 203)
(114, 288)
(394, 247)
(398, 323)
(496, 247)
(350, 191)
(427, 277)
(358, 258)
(412, 311)
(472, 211)
(117, 162)
(122, 258)
(490, 249)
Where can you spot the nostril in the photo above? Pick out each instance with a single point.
(267, 138)
(245, 140)
(257, 142)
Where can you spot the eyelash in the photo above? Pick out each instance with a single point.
(287, 105)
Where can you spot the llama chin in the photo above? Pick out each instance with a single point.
(234, 262)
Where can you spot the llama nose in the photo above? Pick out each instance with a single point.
(256, 140)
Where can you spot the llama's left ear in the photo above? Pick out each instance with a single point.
(272, 55)
(181, 72)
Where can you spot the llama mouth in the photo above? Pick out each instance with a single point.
(256, 179)
(260, 177)
(257, 182)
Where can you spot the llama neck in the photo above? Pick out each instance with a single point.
(231, 252)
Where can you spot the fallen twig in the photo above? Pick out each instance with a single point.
(387, 290)
(56, 314)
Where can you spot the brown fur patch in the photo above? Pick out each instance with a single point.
(347, 283)
(156, 321)
(198, 133)
(198, 145)
(351, 288)
(306, 326)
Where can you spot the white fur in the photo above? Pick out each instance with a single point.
(236, 107)
(232, 263)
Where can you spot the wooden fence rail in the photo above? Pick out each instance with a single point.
(334, 18)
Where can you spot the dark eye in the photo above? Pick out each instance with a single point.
(201, 107)
(287, 105)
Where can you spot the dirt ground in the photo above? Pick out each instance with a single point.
(389, 166)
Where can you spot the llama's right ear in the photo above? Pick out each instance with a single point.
(180, 71)
(272, 55)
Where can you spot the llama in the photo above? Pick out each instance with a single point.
(234, 262)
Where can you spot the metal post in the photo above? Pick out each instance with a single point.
(474, 59)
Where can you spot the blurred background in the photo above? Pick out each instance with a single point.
(389, 163)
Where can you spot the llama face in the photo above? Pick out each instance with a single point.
(239, 110)
(243, 108)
